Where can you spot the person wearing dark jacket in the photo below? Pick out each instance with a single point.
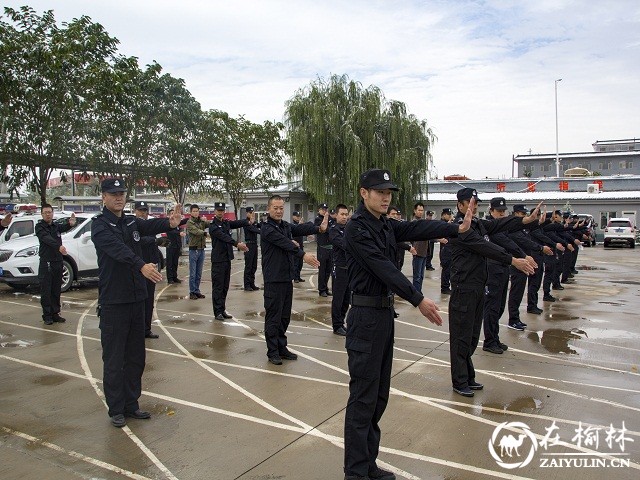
(553, 229)
(121, 297)
(445, 256)
(295, 220)
(51, 251)
(340, 282)
(222, 244)
(323, 246)
(251, 233)
(371, 245)
(278, 269)
(174, 249)
(468, 278)
(495, 294)
(150, 254)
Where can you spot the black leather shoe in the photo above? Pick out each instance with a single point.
(248, 289)
(465, 392)
(329, 293)
(475, 386)
(139, 414)
(193, 296)
(535, 311)
(323, 294)
(341, 331)
(118, 421)
(445, 291)
(288, 356)
(48, 321)
(177, 280)
(493, 349)
(380, 474)
(549, 298)
(226, 315)
(255, 288)
(199, 295)
(429, 268)
(58, 318)
(559, 287)
(275, 360)
(151, 335)
(220, 317)
(296, 281)
(503, 347)
(355, 477)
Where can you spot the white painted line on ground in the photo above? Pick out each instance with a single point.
(74, 454)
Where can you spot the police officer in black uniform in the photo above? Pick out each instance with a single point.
(324, 247)
(468, 278)
(395, 214)
(51, 251)
(430, 246)
(222, 244)
(150, 254)
(278, 250)
(295, 220)
(551, 279)
(370, 244)
(251, 256)
(121, 297)
(445, 256)
(340, 300)
(174, 249)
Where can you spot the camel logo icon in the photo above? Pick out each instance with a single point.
(512, 439)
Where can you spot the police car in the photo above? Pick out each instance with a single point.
(19, 257)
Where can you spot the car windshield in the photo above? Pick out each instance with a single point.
(620, 223)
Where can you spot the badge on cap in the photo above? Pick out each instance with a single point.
(116, 183)
(475, 194)
(386, 176)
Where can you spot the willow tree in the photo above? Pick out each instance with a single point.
(337, 129)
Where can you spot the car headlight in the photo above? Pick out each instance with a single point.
(28, 252)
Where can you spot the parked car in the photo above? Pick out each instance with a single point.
(620, 231)
(24, 225)
(591, 229)
(19, 257)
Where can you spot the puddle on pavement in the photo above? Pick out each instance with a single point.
(589, 267)
(607, 333)
(4, 336)
(169, 298)
(614, 304)
(160, 409)
(254, 314)
(522, 404)
(50, 380)
(17, 344)
(563, 316)
(625, 282)
(218, 342)
(199, 353)
(556, 340)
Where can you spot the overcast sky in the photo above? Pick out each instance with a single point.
(480, 72)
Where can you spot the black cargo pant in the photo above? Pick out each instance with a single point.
(123, 355)
(369, 345)
(516, 293)
(297, 265)
(250, 265)
(465, 322)
(550, 265)
(324, 272)
(277, 305)
(430, 250)
(173, 256)
(50, 277)
(148, 306)
(535, 280)
(495, 299)
(340, 299)
(445, 274)
(220, 277)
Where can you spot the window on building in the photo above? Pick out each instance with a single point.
(608, 167)
(587, 166)
(623, 165)
(629, 164)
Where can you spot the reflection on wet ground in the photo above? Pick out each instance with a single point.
(161, 409)
(563, 316)
(50, 380)
(556, 340)
(17, 343)
(624, 282)
(589, 267)
(170, 298)
(521, 404)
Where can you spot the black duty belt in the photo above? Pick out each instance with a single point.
(250, 242)
(370, 301)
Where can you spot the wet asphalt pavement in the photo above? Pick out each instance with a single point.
(221, 411)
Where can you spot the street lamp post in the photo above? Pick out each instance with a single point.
(557, 152)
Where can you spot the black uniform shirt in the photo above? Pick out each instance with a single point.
(470, 249)
(526, 242)
(173, 235)
(371, 250)
(278, 249)
(251, 233)
(336, 237)
(50, 240)
(222, 242)
(505, 241)
(322, 239)
(117, 242)
(300, 240)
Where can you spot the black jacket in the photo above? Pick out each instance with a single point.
(251, 233)
(50, 240)
(278, 249)
(173, 235)
(322, 239)
(222, 242)
(336, 237)
(118, 245)
(371, 249)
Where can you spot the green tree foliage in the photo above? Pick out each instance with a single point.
(337, 129)
(49, 81)
(242, 155)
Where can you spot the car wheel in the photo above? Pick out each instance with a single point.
(632, 244)
(67, 276)
(606, 243)
(18, 287)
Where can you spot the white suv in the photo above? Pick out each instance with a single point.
(19, 257)
(24, 225)
(620, 230)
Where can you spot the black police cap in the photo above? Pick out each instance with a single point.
(430, 213)
(378, 179)
(296, 214)
(557, 212)
(566, 214)
(219, 206)
(141, 205)
(498, 203)
(520, 208)
(467, 193)
(113, 185)
(249, 209)
(447, 211)
(323, 205)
